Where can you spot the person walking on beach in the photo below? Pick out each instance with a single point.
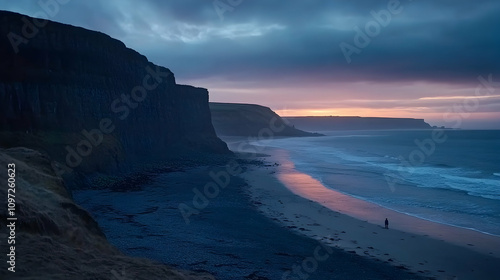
(386, 223)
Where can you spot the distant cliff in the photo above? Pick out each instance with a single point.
(355, 123)
(91, 102)
(231, 119)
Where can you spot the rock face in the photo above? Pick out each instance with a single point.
(65, 79)
(232, 119)
(356, 123)
(57, 239)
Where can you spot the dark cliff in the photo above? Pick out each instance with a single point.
(62, 80)
(232, 119)
(356, 123)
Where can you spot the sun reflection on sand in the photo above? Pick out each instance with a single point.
(306, 186)
(311, 188)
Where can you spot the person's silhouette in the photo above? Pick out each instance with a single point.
(386, 223)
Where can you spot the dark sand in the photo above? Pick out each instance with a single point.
(54, 238)
(230, 238)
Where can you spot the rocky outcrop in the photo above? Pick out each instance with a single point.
(356, 123)
(249, 120)
(91, 102)
(53, 238)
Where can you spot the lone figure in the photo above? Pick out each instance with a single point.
(386, 223)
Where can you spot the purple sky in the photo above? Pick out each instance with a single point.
(390, 58)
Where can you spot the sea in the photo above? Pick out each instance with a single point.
(445, 176)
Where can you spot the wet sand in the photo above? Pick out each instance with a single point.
(303, 204)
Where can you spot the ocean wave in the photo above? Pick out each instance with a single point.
(437, 176)
(445, 188)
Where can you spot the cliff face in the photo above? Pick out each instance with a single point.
(356, 123)
(231, 119)
(66, 79)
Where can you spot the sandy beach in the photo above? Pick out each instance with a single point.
(303, 204)
(230, 238)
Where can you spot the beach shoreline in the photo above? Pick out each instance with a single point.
(302, 204)
(229, 238)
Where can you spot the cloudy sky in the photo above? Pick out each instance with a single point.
(408, 58)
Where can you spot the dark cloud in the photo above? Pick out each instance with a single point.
(447, 41)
